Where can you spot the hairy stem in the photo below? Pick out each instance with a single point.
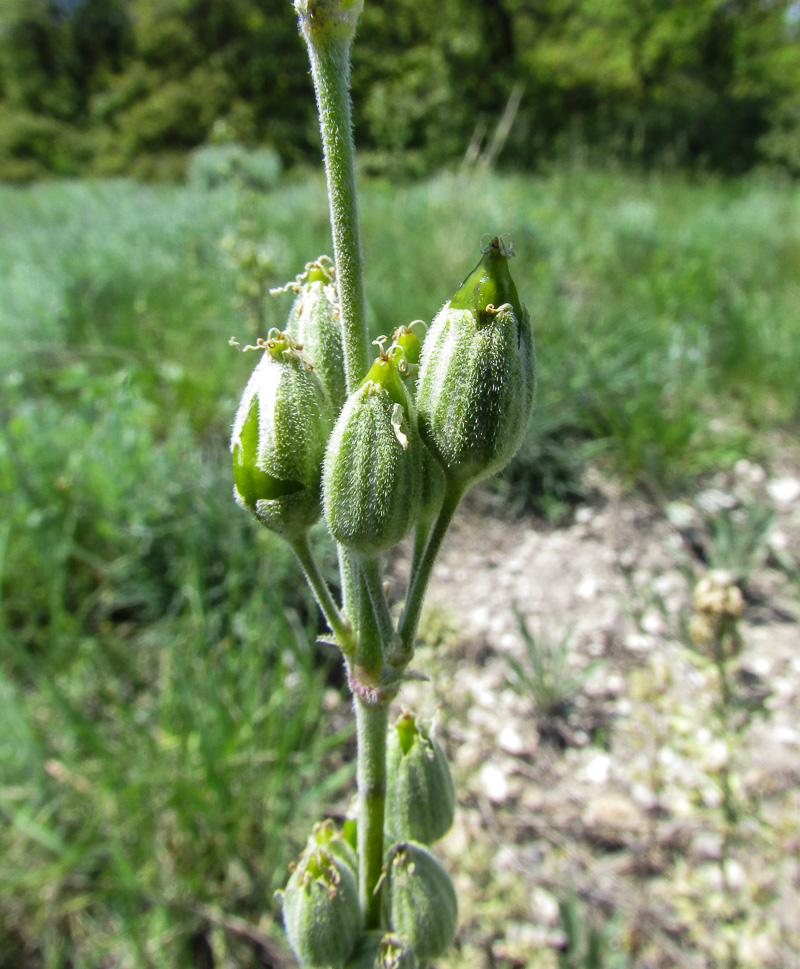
(348, 574)
(418, 583)
(330, 68)
(372, 721)
(340, 628)
(373, 579)
(368, 660)
(421, 533)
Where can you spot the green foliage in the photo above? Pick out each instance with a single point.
(738, 539)
(215, 166)
(546, 672)
(138, 83)
(146, 786)
(588, 945)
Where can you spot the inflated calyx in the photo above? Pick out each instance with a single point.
(314, 322)
(278, 440)
(321, 913)
(420, 799)
(477, 375)
(371, 476)
(418, 901)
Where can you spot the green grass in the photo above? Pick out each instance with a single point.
(161, 742)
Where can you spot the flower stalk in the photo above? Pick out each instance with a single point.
(382, 462)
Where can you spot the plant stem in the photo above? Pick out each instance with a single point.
(418, 583)
(421, 533)
(330, 68)
(368, 660)
(373, 579)
(348, 575)
(372, 721)
(339, 627)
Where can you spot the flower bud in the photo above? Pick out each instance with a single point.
(420, 799)
(314, 323)
(419, 901)
(321, 913)
(371, 476)
(476, 381)
(278, 440)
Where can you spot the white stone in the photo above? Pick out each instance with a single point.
(653, 622)
(681, 514)
(598, 769)
(786, 735)
(639, 642)
(643, 796)
(587, 588)
(479, 618)
(544, 906)
(735, 875)
(749, 472)
(784, 490)
(494, 783)
(511, 741)
(777, 540)
(714, 500)
(707, 845)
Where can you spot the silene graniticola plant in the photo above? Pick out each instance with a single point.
(380, 444)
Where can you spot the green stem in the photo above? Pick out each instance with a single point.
(368, 659)
(418, 582)
(330, 68)
(373, 579)
(372, 721)
(348, 575)
(421, 533)
(340, 627)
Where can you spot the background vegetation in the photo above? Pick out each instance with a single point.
(162, 745)
(128, 86)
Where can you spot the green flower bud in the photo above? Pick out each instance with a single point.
(476, 381)
(321, 913)
(371, 475)
(420, 799)
(314, 323)
(278, 440)
(419, 901)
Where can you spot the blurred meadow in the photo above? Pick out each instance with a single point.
(163, 736)
(169, 727)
